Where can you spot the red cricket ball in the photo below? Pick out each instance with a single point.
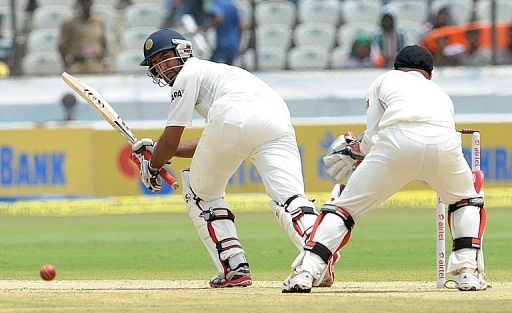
(48, 272)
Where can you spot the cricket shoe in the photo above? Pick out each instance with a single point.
(298, 282)
(470, 280)
(327, 275)
(239, 277)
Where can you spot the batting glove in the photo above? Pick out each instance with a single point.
(149, 175)
(143, 144)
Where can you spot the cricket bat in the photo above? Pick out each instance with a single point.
(94, 98)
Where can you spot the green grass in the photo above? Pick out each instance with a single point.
(387, 244)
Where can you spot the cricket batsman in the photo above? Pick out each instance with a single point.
(245, 119)
(410, 135)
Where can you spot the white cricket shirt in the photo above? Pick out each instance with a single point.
(201, 83)
(407, 100)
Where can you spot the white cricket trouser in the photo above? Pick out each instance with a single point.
(400, 156)
(260, 131)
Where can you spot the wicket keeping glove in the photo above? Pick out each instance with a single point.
(149, 175)
(343, 158)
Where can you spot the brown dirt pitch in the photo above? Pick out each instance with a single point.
(263, 296)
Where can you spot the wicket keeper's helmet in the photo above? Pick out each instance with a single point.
(165, 39)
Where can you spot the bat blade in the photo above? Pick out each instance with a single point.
(94, 98)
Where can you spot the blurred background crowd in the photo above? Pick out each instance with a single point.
(41, 37)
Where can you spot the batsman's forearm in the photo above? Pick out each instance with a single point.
(162, 154)
(187, 148)
(166, 146)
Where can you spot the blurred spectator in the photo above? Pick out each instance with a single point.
(474, 54)
(440, 58)
(30, 7)
(361, 53)
(504, 56)
(224, 16)
(83, 41)
(447, 54)
(69, 103)
(5, 51)
(389, 39)
(442, 18)
(196, 9)
(121, 4)
(175, 9)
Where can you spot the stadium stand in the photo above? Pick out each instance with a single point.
(245, 10)
(503, 11)
(348, 32)
(134, 37)
(411, 11)
(312, 11)
(50, 16)
(105, 2)
(277, 32)
(459, 9)
(273, 35)
(109, 15)
(141, 14)
(43, 40)
(278, 12)
(5, 11)
(128, 61)
(20, 4)
(339, 56)
(271, 59)
(355, 11)
(42, 63)
(151, 2)
(413, 30)
(315, 34)
(308, 58)
(68, 3)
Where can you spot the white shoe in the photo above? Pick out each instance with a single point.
(298, 282)
(470, 280)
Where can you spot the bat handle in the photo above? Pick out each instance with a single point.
(169, 178)
(164, 173)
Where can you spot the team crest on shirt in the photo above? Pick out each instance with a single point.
(177, 94)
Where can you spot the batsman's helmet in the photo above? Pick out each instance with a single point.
(162, 40)
(165, 39)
